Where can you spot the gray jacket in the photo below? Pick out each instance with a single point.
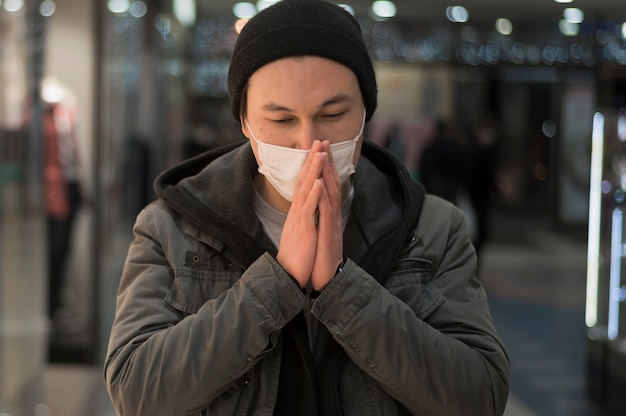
(206, 316)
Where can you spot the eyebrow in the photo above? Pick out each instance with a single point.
(339, 98)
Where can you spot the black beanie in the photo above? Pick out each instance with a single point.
(299, 28)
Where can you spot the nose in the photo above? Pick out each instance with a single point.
(305, 134)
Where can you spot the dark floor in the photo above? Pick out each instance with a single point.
(535, 274)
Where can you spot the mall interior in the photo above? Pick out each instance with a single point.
(129, 88)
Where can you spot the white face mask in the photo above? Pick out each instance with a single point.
(282, 165)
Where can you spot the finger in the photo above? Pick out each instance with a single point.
(329, 213)
(329, 243)
(311, 205)
(298, 241)
(307, 178)
(311, 170)
(331, 179)
(315, 148)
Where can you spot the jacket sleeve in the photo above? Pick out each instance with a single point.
(160, 362)
(437, 353)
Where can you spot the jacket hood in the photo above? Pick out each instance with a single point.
(214, 191)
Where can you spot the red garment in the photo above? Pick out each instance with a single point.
(56, 193)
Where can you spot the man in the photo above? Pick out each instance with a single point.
(302, 272)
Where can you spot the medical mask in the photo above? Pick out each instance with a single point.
(282, 165)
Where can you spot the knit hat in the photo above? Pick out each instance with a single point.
(298, 28)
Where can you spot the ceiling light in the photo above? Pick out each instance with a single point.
(504, 26)
(564, 1)
(47, 8)
(573, 15)
(13, 5)
(244, 10)
(118, 6)
(52, 90)
(185, 12)
(384, 9)
(457, 14)
(568, 28)
(138, 9)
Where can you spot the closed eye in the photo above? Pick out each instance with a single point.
(332, 116)
(282, 120)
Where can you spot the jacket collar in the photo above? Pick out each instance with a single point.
(214, 191)
(387, 205)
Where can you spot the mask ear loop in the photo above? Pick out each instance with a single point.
(245, 120)
(362, 126)
(258, 142)
(360, 133)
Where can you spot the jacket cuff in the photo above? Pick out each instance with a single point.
(342, 299)
(272, 287)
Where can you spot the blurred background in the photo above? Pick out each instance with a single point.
(511, 109)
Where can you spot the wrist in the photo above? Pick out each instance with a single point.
(316, 292)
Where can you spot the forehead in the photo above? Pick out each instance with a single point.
(288, 79)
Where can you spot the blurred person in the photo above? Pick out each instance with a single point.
(302, 272)
(138, 160)
(393, 141)
(443, 162)
(480, 176)
(62, 188)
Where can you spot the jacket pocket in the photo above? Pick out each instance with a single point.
(411, 282)
(193, 287)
